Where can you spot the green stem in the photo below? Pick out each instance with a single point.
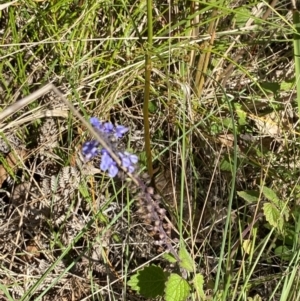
(296, 20)
(147, 89)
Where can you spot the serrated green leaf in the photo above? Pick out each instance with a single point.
(281, 206)
(270, 195)
(177, 288)
(199, 283)
(150, 282)
(249, 196)
(186, 260)
(273, 216)
(286, 213)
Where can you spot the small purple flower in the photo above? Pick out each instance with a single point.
(128, 160)
(90, 149)
(120, 131)
(133, 158)
(125, 160)
(107, 163)
(108, 128)
(96, 123)
(113, 170)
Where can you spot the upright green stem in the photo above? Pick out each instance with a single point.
(296, 20)
(148, 68)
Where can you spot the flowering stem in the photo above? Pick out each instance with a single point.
(148, 68)
(96, 135)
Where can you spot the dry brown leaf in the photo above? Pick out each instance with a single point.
(32, 251)
(226, 139)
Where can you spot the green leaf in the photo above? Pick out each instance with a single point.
(198, 283)
(242, 15)
(242, 117)
(150, 282)
(270, 194)
(177, 288)
(273, 87)
(249, 196)
(281, 206)
(284, 253)
(215, 128)
(287, 85)
(186, 260)
(169, 257)
(273, 216)
(152, 107)
(226, 165)
(227, 123)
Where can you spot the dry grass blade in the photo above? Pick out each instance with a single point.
(8, 4)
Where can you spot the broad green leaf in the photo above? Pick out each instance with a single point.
(281, 206)
(270, 195)
(177, 288)
(273, 216)
(186, 260)
(284, 253)
(273, 87)
(150, 282)
(198, 283)
(249, 196)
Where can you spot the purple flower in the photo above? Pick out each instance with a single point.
(96, 123)
(107, 163)
(133, 158)
(90, 149)
(128, 160)
(108, 128)
(120, 131)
